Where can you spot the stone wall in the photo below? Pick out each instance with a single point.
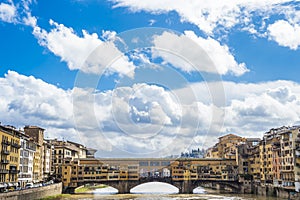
(276, 192)
(33, 193)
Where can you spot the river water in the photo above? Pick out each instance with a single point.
(160, 191)
(168, 197)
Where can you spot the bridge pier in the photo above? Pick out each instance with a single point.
(69, 190)
(123, 187)
(185, 187)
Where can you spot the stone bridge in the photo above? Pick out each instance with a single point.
(185, 187)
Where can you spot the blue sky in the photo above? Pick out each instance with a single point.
(149, 78)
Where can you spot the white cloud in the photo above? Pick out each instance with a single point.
(28, 100)
(8, 12)
(217, 17)
(76, 51)
(169, 121)
(222, 58)
(192, 53)
(251, 109)
(207, 15)
(19, 13)
(285, 34)
(64, 42)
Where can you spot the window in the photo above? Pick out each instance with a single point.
(154, 163)
(165, 163)
(143, 163)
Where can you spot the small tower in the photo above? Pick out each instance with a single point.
(36, 133)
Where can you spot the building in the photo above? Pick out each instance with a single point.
(64, 152)
(47, 160)
(27, 151)
(254, 162)
(212, 152)
(278, 157)
(37, 134)
(226, 147)
(166, 172)
(245, 155)
(10, 155)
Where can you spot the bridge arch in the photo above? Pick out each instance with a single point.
(219, 185)
(186, 186)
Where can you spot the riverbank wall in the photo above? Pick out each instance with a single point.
(269, 190)
(33, 193)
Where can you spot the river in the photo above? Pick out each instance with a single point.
(162, 191)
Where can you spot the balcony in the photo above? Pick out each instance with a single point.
(13, 171)
(3, 171)
(6, 142)
(4, 161)
(5, 152)
(276, 148)
(285, 138)
(16, 145)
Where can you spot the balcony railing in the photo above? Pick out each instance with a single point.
(13, 171)
(3, 171)
(4, 161)
(16, 145)
(6, 142)
(6, 152)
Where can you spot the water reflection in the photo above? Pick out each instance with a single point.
(106, 190)
(155, 188)
(168, 197)
(158, 191)
(199, 190)
(149, 188)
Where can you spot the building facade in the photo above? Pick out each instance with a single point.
(27, 151)
(37, 134)
(10, 155)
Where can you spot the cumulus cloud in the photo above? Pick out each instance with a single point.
(76, 51)
(222, 58)
(147, 120)
(285, 34)
(252, 108)
(215, 17)
(8, 12)
(18, 13)
(29, 100)
(206, 15)
(192, 53)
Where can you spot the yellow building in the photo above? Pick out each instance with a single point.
(287, 161)
(254, 163)
(212, 152)
(226, 147)
(63, 152)
(10, 155)
(277, 161)
(207, 168)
